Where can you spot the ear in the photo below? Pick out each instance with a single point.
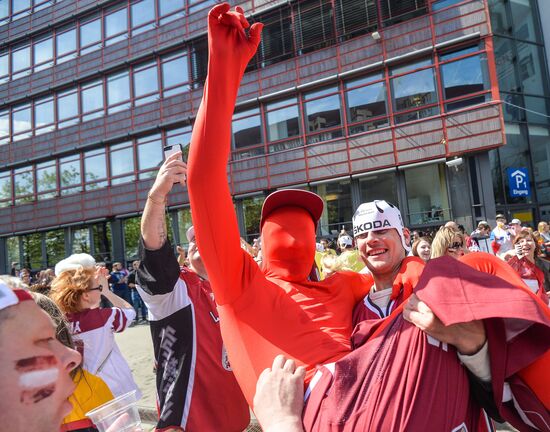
(407, 235)
(86, 297)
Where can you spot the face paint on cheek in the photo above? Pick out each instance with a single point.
(37, 378)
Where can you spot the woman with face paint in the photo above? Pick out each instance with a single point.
(91, 391)
(77, 290)
(34, 366)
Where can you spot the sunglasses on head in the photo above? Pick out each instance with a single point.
(97, 288)
(456, 245)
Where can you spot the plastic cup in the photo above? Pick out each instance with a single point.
(118, 415)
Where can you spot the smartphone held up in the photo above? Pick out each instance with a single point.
(169, 150)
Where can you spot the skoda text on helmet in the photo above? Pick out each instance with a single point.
(378, 215)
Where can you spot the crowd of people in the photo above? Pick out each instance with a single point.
(389, 330)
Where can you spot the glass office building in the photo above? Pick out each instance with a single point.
(354, 100)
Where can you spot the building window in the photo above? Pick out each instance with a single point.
(95, 169)
(44, 115)
(43, 54)
(32, 251)
(116, 26)
(70, 179)
(525, 25)
(5, 189)
(142, 16)
(170, 10)
(314, 25)
(412, 91)
(4, 127)
(175, 74)
(464, 77)
(382, 186)
(355, 17)
(55, 247)
(101, 237)
(90, 36)
(540, 147)
(252, 208)
(277, 38)
(146, 85)
(150, 155)
(131, 237)
(23, 185)
(122, 163)
(442, 4)
(92, 100)
(247, 132)
(4, 66)
(366, 103)
(65, 45)
(22, 126)
(396, 11)
(118, 92)
(46, 180)
(199, 60)
(12, 246)
(323, 119)
(505, 63)
(283, 123)
(179, 136)
(338, 209)
(20, 61)
(4, 15)
(80, 240)
(427, 195)
(67, 108)
(530, 68)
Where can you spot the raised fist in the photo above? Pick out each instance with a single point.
(230, 49)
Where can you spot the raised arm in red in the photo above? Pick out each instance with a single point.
(215, 223)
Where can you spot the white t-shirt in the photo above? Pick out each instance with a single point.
(93, 330)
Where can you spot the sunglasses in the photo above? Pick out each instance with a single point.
(456, 245)
(97, 288)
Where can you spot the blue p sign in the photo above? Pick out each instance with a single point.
(518, 180)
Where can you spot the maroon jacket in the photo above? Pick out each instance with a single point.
(403, 379)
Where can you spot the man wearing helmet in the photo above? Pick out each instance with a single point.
(383, 241)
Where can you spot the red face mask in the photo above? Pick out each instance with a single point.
(288, 244)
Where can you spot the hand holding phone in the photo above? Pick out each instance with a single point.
(519, 250)
(169, 150)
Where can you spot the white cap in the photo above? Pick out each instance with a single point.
(378, 215)
(515, 221)
(74, 262)
(345, 241)
(190, 234)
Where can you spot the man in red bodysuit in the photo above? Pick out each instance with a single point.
(276, 309)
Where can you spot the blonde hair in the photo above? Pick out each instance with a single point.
(68, 288)
(541, 226)
(443, 239)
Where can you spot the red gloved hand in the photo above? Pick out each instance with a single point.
(229, 47)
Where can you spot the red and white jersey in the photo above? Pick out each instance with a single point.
(93, 330)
